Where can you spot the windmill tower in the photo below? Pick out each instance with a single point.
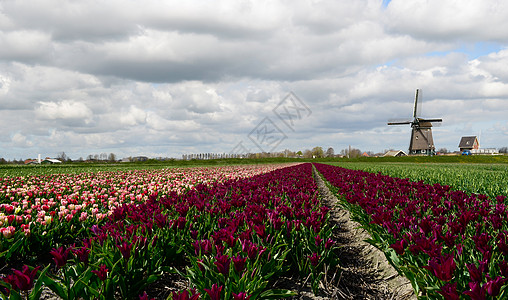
(421, 142)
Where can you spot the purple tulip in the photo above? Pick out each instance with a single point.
(475, 274)
(185, 295)
(314, 259)
(23, 279)
(476, 291)
(399, 246)
(82, 254)
(239, 263)
(60, 256)
(102, 272)
(449, 291)
(443, 267)
(222, 263)
(241, 296)
(125, 248)
(493, 286)
(214, 292)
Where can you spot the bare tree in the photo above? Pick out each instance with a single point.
(62, 157)
(443, 150)
(503, 150)
(351, 152)
(330, 152)
(112, 157)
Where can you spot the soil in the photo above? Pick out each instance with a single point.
(365, 271)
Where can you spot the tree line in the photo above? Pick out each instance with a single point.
(316, 152)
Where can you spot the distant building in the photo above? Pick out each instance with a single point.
(139, 158)
(395, 153)
(31, 162)
(469, 143)
(51, 161)
(484, 151)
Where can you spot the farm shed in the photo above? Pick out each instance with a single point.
(51, 161)
(468, 143)
(395, 153)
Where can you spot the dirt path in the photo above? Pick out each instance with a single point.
(365, 272)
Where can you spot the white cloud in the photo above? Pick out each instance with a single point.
(494, 65)
(5, 82)
(21, 141)
(134, 116)
(66, 110)
(169, 77)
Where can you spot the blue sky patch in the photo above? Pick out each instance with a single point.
(473, 51)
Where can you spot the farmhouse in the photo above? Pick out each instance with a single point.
(395, 153)
(471, 145)
(31, 161)
(468, 143)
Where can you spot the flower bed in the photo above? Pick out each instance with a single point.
(229, 238)
(449, 244)
(39, 212)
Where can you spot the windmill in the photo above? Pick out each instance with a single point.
(421, 142)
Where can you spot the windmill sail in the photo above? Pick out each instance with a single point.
(421, 142)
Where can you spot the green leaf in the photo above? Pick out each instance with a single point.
(81, 283)
(393, 259)
(12, 249)
(57, 287)
(37, 289)
(15, 295)
(277, 294)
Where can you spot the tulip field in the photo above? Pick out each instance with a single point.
(228, 231)
(232, 232)
(488, 179)
(450, 244)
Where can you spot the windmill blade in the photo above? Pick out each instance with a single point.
(399, 123)
(416, 109)
(431, 120)
(434, 122)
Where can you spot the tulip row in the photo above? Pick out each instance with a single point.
(449, 244)
(472, 178)
(229, 239)
(39, 212)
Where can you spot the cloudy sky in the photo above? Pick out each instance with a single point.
(165, 78)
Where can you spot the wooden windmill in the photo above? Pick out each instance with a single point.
(421, 142)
